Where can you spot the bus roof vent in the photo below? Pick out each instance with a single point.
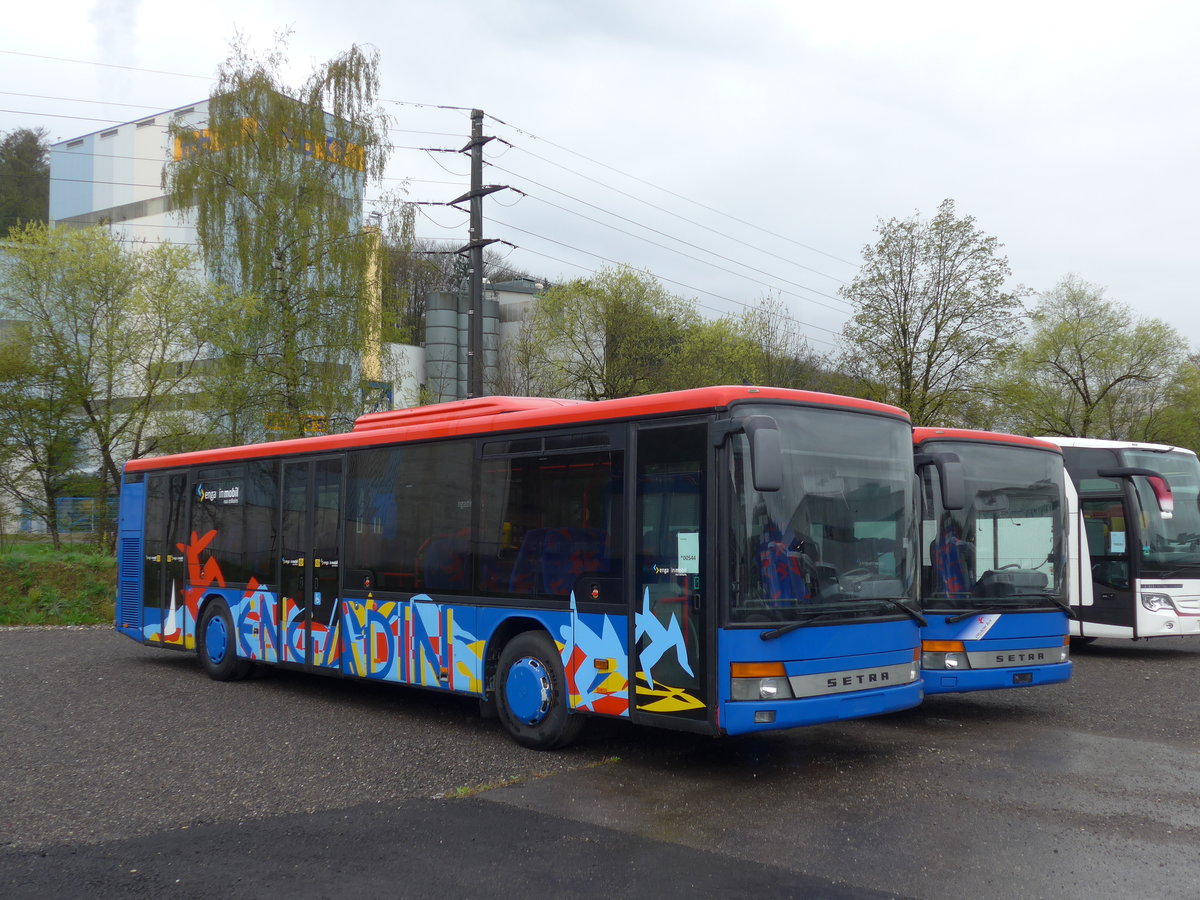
(455, 411)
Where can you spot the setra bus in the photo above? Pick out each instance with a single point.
(720, 560)
(994, 569)
(1138, 545)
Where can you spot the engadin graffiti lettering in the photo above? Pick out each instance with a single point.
(662, 639)
(593, 639)
(411, 642)
(414, 642)
(258, 627)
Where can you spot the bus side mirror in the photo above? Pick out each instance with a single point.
(950, 475)
(766, 453)
(766, 448)
(1158, 484)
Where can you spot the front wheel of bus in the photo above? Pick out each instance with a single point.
(531, 693)
(215, 644)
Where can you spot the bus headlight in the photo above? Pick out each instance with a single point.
(943, 655)
(944, 661)
(1157, 602)
(759, 681)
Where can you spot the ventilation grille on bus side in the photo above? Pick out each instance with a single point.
(129, 590)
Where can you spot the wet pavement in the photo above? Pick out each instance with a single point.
(127, 772)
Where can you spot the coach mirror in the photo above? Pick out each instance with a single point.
(1158, 484)
(950, 476)
(766, 449)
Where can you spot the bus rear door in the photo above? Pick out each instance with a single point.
(310, 564)
(164, 565)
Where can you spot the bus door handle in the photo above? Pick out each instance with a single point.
(696, 600)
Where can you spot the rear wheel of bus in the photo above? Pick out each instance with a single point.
(531, 693)
(215, 644)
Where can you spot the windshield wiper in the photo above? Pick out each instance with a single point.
(809, 617)
(903, 607)
(1049, 598)
(1009, 607)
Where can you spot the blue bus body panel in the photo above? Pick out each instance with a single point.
(130, 521)
(1008, 640)
(842, 652)
(435, 643)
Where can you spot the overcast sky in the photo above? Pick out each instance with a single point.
(771, 137)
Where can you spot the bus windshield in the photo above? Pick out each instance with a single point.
(1169, 545)
(837, 539)
(1006, 544)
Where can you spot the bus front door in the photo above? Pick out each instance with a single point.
(1104, 526)
(670, 608)
(310, 565)
(164, 565)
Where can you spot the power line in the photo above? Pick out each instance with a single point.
(88, 62)
(670, 192)
(685, 243)
(661, 278)
(682, 218)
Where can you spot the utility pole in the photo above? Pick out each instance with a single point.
(475, 249)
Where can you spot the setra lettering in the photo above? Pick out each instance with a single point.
(857, 679)
(1030, 657)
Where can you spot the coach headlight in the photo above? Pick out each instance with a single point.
(759, 681)
(943, 655)
(1157, 602)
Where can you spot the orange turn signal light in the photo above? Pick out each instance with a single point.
(757, 670)
(942, 646)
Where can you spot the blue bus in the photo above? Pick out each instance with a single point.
(994, 562)
(721, 560)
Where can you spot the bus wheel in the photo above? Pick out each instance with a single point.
(215, 644)
(531, 693)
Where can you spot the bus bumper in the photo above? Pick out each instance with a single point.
(745, 716)
(940, 681)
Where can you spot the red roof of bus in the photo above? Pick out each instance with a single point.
(923, 434)
(488, 414)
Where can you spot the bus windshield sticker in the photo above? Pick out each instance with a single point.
(977, 627)
(1118, 542)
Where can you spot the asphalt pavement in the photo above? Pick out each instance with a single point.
(127, 772)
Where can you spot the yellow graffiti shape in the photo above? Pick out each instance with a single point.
(663, 698)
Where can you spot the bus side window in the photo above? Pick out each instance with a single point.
(548, 520)
(409, 516)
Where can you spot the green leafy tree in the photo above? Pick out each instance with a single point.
(40, 436)
(24, 177)
(932, 317)
(781, 356)
(1178, 422)
(1090, 368)
(762, 345)
(111, 341)
(275, 184)
(613, 335)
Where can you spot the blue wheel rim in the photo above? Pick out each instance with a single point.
(216, 639)
(528, 690)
